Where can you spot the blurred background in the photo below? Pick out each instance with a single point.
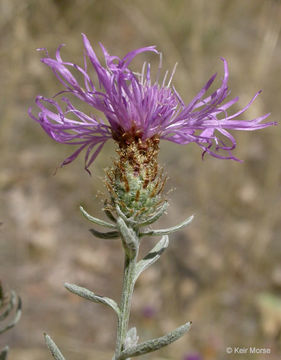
(224, 271)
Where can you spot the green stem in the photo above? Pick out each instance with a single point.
(126, 299)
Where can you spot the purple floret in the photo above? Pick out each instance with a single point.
(135, 104)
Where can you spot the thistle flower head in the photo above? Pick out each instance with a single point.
(137, 108)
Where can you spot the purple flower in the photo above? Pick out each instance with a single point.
(149, 311)
(136, 106)
(192, 356)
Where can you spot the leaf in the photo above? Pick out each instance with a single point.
(55, 351)
(169, 230)
(18, 312)
(154, 344)
(89, 295)
(106, 235)
(9, 306)
(152, 256)
(96, 220)
(129, 238)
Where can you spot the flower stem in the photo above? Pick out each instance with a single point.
(126, 299)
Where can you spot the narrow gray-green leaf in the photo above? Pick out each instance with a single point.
(169, 230)
(128, 236)
(9, 306)
(96, 220)
(55, 351)
(152, 256)
(154, 344)
(16, 318)
(89, 295)
(106, 235)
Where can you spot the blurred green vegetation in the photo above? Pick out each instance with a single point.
(223, 272)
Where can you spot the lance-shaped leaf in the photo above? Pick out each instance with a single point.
(169, 230)
(9, 307)
(17, 315)
(106, 235)
(4, 353)
(128, 236)
(152, 256)
(55, 351)
(154, 344)
(96, 220)
(89, 295)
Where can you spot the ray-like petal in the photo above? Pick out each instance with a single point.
(135, 104)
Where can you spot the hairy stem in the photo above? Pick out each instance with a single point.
(126, 299)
